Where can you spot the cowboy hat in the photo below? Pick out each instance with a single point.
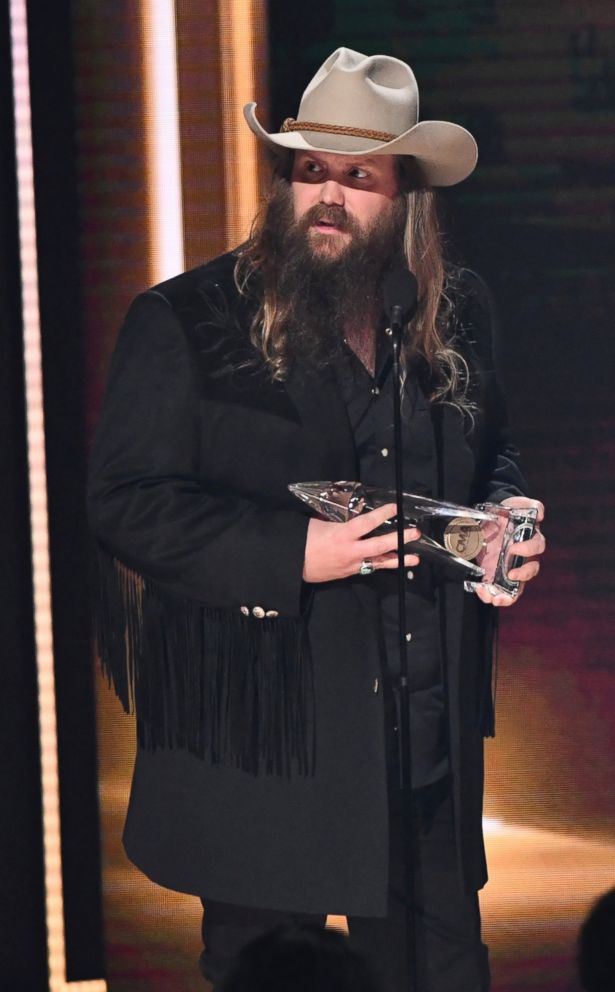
(369, 105)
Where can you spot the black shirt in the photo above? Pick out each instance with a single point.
(369, 401)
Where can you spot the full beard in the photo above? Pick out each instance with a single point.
(328, 286)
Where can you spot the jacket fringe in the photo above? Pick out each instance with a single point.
(234, 689)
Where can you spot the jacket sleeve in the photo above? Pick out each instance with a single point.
(200, 625)
(499, 475)
(149, 502)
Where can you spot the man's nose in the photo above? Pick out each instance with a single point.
(332, 192)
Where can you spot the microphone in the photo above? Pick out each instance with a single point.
(400, 295)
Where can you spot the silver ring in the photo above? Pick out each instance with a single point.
(367, 567)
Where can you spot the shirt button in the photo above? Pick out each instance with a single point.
(258, 612)
(375, 391)
(384, 452)
(410, 575)
(376, 686)
(408, 636)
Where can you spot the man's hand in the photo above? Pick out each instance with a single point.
(335, 551)
(525, 549)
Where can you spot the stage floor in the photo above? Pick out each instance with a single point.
(542, 884)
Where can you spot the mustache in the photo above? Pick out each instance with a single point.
(331, 214)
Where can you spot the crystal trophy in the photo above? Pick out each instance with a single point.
(476, 543)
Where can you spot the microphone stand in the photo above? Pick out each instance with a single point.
(395, 331)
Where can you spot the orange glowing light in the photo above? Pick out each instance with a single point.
(37, 480)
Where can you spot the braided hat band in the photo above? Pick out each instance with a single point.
(290, 124)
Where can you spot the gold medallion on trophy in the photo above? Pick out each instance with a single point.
(463, 538)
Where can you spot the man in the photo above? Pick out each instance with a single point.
(259, 657)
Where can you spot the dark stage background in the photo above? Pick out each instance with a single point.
(535, 82)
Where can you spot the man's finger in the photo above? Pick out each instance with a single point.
(534, 546)
(366, 522)
(525, 572)
(391, 561)
(499, 599)
(382, 544)
(523, 502)
(503, 599)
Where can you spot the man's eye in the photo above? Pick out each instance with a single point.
(358, 173)
(312, 167)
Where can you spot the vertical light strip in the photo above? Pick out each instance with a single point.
(37, 479)
(164, 184)
(239, 21)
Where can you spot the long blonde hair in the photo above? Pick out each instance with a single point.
(429, 337)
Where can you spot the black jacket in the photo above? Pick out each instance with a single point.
(260, 775)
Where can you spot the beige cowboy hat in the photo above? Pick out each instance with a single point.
(358, 104)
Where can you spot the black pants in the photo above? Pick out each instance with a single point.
(450, 956)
